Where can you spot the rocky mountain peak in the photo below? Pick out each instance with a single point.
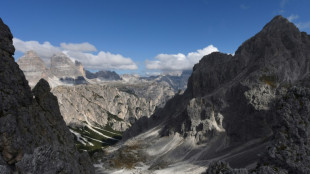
(33, 67)
(32, 57)
(63, 66)
(60, 58)
(276, 36)
(278, 25)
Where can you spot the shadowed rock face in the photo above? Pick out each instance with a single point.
(289, 150)
(33, 134)
(241, 87)
(236, 97)
(103, 75)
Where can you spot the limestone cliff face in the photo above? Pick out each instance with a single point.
(33, 136)
(115, 105)
(62, 66)
(62, 71)
(33, 67)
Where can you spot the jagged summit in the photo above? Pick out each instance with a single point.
(30, 57)
(279, 24)
(33, 67)
(63, 66)
(276, 35)
(60, 57)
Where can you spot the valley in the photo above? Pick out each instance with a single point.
(241, 113)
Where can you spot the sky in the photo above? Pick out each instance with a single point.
(142, 36)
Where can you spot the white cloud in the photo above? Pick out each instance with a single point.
(83, 52)
(45, 50)
(82, 47)
(303, 25)
(103, 60)
(292, 17)
(178, 62)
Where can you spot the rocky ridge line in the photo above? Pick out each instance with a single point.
(227, 110)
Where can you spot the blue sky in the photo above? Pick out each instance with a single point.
(142, 36)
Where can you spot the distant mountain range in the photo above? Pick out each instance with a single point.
(63, 71)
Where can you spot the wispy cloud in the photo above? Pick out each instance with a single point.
(283, 3)
(178, 62)
(282, 6)
(244, 7)
(83, 52)
(292, 17)
(300, 25)
(303, 25)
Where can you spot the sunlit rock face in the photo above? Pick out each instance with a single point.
(67, 71)
(62, 70)
(62, 66)
(33, 67)
(33, 135)
(115, 105)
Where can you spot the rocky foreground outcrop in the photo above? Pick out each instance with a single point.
(241, 109)
(33, 135)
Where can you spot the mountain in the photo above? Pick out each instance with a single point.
(62, 66)
(176, 82)
(103, 75)
(68, 72)
(62, 70)
(241, 109)
(33, 67)
(33, 135)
